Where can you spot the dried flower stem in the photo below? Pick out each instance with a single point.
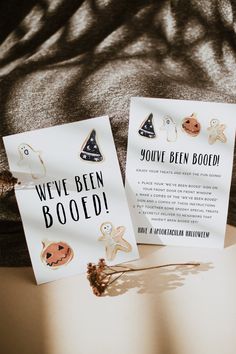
(153, 267)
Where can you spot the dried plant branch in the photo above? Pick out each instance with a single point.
(101, 276)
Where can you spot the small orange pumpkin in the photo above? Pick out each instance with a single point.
(56, 254)
(191, 125)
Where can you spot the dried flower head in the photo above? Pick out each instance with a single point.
(97, 276)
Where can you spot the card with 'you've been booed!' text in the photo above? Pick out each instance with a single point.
(178, 170)
(71, 197)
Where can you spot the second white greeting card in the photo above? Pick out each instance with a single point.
(178, 171)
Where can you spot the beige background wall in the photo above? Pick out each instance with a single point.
(162, 311)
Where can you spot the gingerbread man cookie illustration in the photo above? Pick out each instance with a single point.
(169, 126)
(56, 254)
(191, 126)
(32, 159)
(147, 129)
(90, 150)
(216, 132)
(113, 240)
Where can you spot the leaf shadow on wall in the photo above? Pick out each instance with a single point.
(156, 281)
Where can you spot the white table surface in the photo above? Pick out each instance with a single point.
(163, 311)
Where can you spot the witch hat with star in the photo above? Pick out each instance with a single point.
(90, 150)
(146, 129)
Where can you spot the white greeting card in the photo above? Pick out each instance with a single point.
(178, 171)
(71, 197)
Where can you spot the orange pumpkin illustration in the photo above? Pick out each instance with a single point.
(56, 254)
(191, 125)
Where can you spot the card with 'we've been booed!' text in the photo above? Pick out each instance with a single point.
(71, 197)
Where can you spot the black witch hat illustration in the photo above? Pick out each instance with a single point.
(90, 150)
(146, 129)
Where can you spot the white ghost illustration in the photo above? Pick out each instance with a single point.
(32, 159)
(169, 126)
